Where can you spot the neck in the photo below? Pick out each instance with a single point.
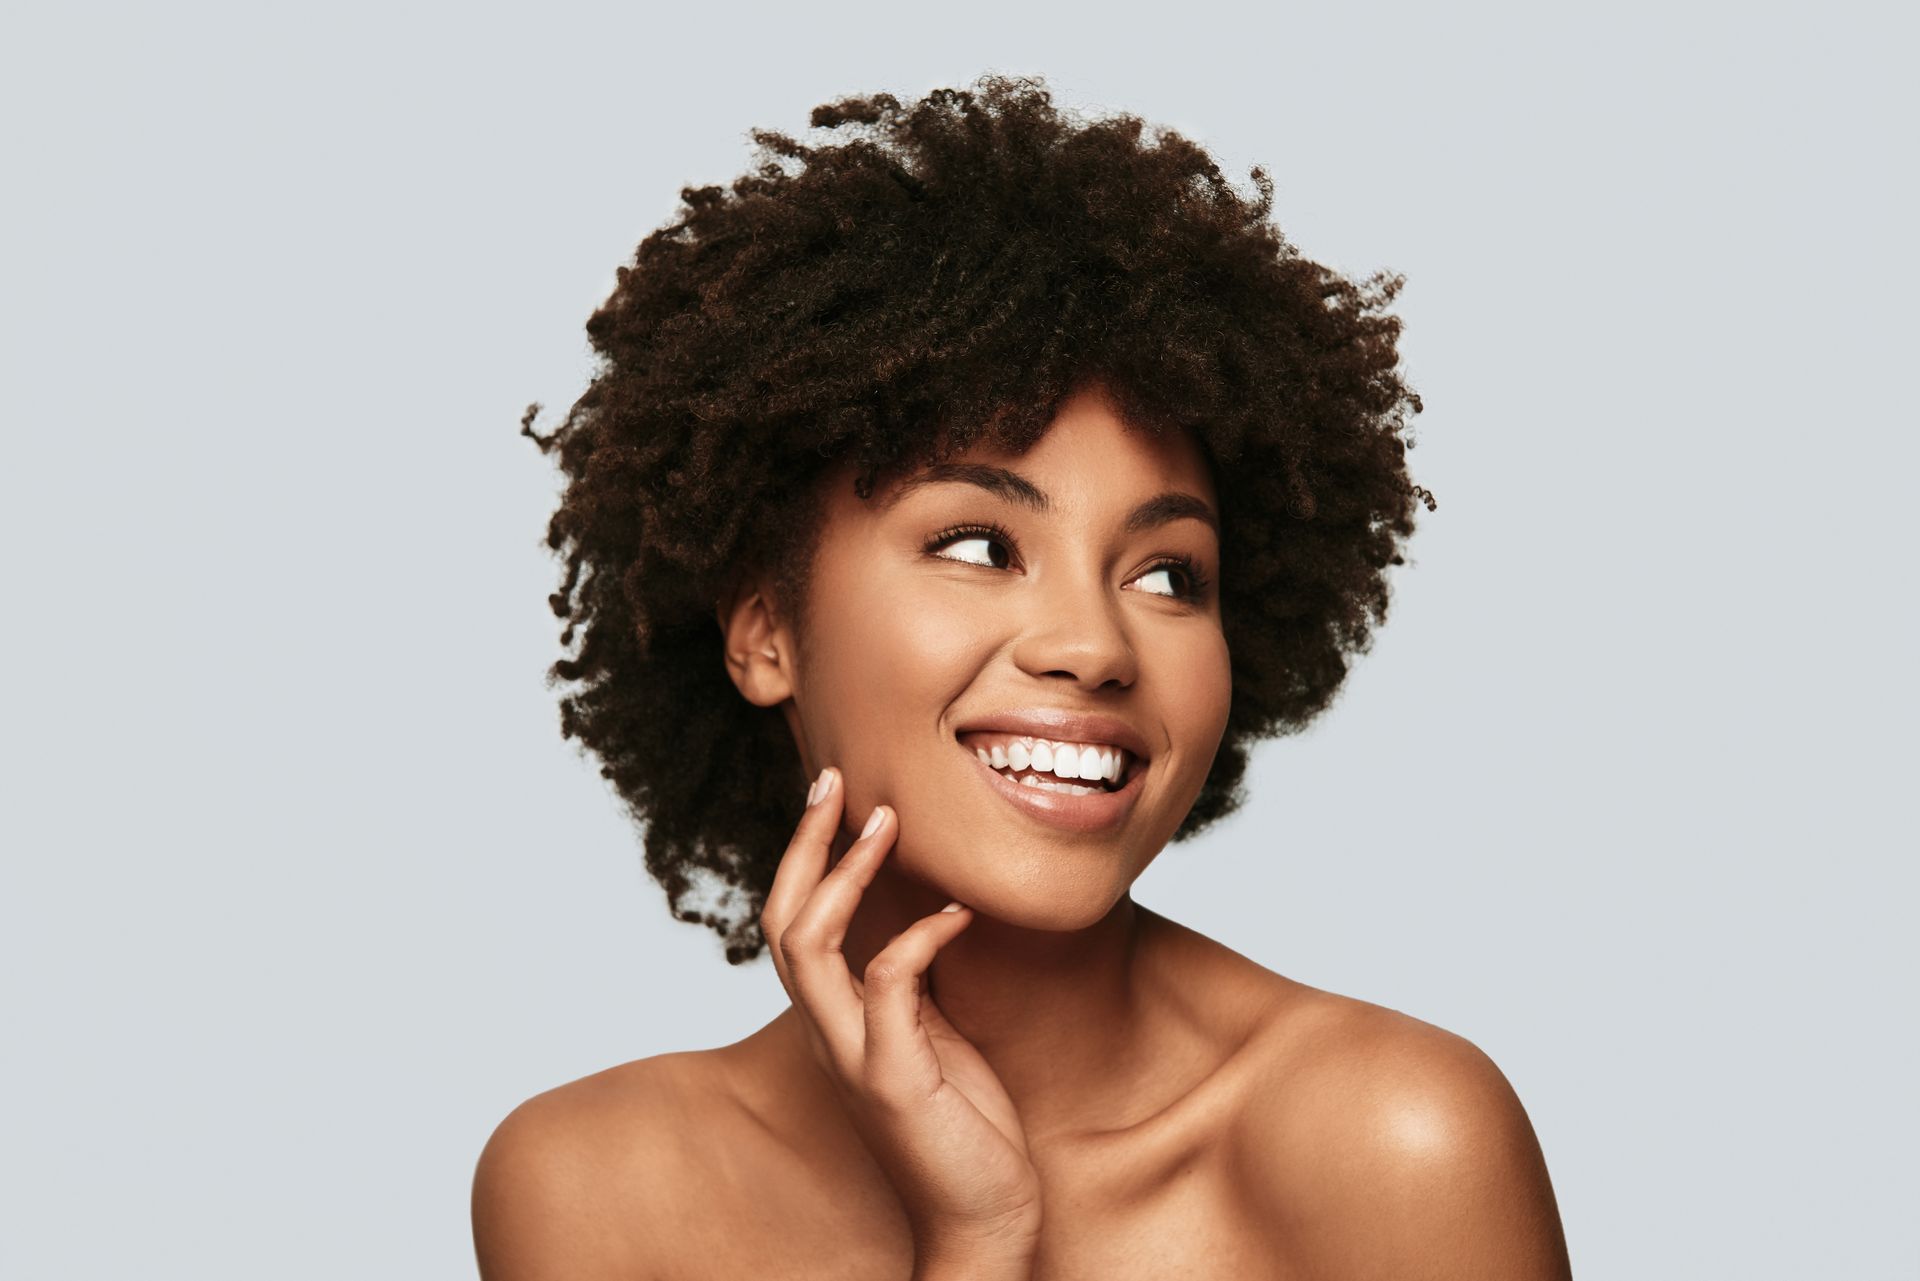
(1055, 1013)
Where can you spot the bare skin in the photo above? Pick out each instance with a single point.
(1182, 1110)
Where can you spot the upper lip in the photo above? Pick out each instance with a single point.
(1061, 726)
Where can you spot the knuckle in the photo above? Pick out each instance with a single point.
(884, 971)
(793, 945)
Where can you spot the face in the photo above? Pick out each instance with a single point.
(1065, 596)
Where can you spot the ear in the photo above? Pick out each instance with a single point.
(757, 645)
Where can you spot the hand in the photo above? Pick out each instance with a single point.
(929, 1107)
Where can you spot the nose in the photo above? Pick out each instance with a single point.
(1075, 629)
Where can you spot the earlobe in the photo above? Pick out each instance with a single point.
(755, 646)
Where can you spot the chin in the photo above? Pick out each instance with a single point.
(1038, 891)
(1052, 918)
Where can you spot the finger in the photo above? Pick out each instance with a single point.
(801, 866)
(799, 870)
(900, 1061)
(813, 940)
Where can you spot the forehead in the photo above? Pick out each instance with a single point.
(1088, 445)
(1088, 461)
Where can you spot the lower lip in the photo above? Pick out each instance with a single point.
(1093, 812)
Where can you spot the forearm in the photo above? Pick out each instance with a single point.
(1002, 1249)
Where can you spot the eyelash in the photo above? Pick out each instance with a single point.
(1197, 581)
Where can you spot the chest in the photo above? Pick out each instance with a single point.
(1117, 1213)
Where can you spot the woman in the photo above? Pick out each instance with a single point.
(989, 480)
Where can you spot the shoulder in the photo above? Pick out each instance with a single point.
(1391, 1147)
(580, 1181)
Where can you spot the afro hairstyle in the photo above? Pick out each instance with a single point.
(914, 280)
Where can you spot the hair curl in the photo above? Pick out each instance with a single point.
(931, 276)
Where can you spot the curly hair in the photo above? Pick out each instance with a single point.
(928, 277)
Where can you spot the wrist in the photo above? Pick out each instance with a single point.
(1008, 1258)
(977, 1267)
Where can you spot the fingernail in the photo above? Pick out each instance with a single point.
(821, 786)
(873, 823)
(951, 907)
(813, 793)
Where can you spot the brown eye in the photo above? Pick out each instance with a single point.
(997, 556)
(980, 550)
(1192, 583)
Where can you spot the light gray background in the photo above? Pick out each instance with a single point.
(303, 891)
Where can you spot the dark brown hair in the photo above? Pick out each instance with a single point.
(922, 278)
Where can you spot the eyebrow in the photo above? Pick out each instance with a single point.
(1012, 487)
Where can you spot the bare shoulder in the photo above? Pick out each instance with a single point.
(582, 1181)
(1390, 1147)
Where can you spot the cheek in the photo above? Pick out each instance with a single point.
(1201, 687)
(897, 653)
(883, 666)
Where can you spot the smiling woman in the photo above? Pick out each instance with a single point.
(956, 502)
(1043, 604)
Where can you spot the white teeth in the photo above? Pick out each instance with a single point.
(1072, 789)
(1066, 761)
(1062, 760)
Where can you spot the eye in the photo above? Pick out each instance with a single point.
(987, 558)
(1193, 582)
(1170, 571)
(987, 536)
(991, 546)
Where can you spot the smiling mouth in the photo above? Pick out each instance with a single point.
(1076, 771)
(1087, 807)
